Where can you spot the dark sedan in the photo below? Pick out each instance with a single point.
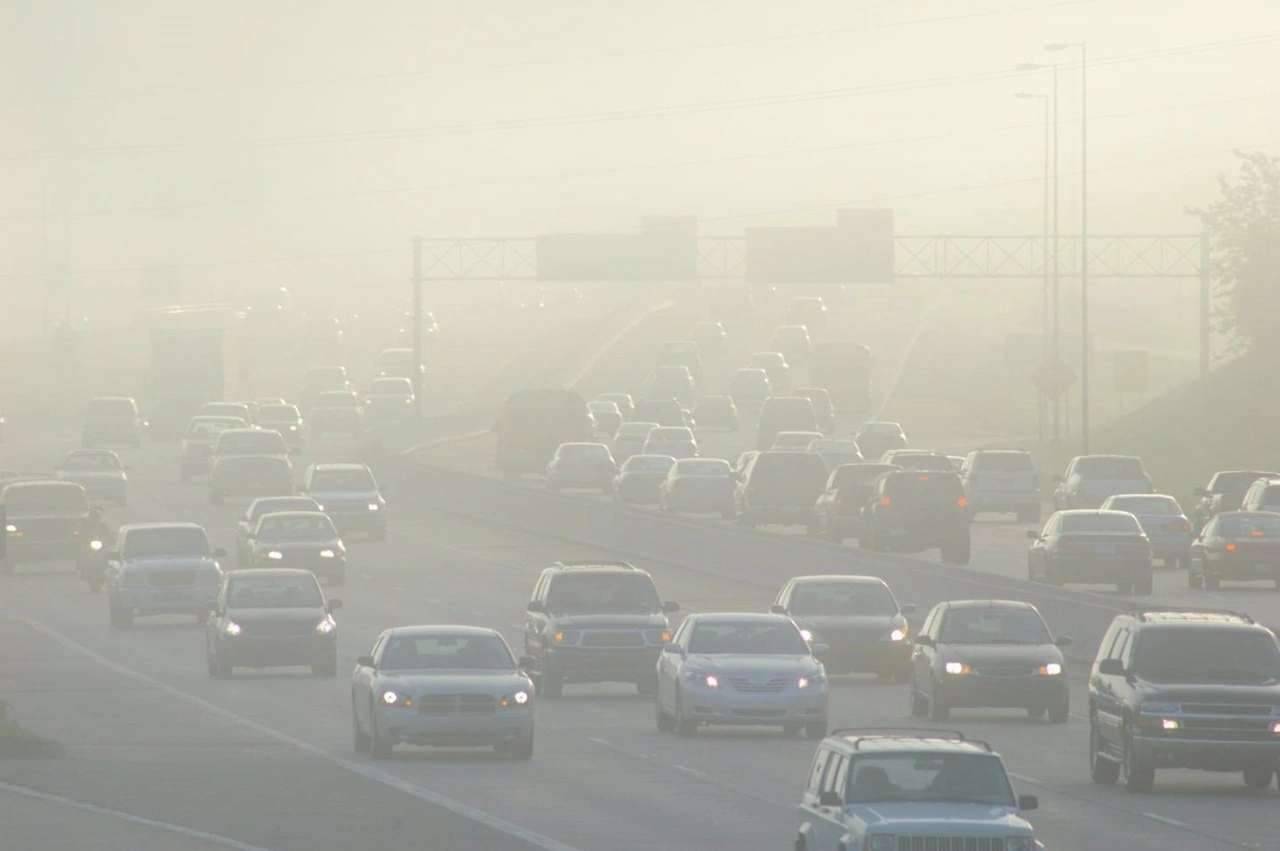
(301, 539)
(1241, 546)
(849, 488)
(638, 481)
(272, 618)
(1086, 546)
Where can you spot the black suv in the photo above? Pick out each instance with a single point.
(913, 511)
(595, 622)
(1184, 688)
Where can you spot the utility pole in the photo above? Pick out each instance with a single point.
(417, 324)
(1044, 250)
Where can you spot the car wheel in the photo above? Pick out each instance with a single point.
(816, 730)
(551, 686)
(1258, 776)
(523, 749)
(664, 722)
(1059, 712)
(647, 685)
(919, 706)
(379, 747)
(1139, 776)
(684, 726)
(1145, 584)
(938, 709)
(360, 741)
(1101, 770)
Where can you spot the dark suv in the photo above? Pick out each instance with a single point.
(781, 487)
(911, 511)
(595, 622)
(1184, 688)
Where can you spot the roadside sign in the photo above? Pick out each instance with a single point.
(1132, 371)
(1053, 377)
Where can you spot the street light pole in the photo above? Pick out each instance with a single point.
(1044, 246)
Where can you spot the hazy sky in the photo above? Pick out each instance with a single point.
(283, 129)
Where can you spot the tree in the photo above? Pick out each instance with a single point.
(1244, 225)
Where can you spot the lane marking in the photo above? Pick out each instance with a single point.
(1165, 820)
(1025, 779)
(537, 840)
(84, 806)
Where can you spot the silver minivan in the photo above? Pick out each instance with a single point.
(1002, 480)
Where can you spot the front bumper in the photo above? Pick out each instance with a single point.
(726, 706)
(144, 600)
(253, 651)
(590, 665)
(1026, 692)
(503, 727)
(1206, 754)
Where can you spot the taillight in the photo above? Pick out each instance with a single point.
(961, 501)
(1257, 533)
(1231, 548)
(884, 500)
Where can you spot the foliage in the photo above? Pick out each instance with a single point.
(17, 741)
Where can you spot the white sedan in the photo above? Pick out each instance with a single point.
(742, 669)
(442, 686)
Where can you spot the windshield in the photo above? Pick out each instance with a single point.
(703, 467)
(450, 652)
(1110, 467)
(1003, 462)
(602, 593)
(295, 527)
(1223, 655)
(833, 447)
(278, 414)
(165, 541)
(273, 505)
(907, 777)
(343, 480)
(923, 462)
(1158, 505)
(772, 638)
(266, 465)
(91, 461)
(842, 598)
(795, 439)
(274, 592)
(1248, 525)
(751, 378)
(208, 429)
(1117, 522)
(991, 625)
(111, 408)
(45, 497)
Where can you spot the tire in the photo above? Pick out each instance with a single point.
(815, 731)
(1139, 777)
(938, 709)
(378, 747)
(957, 552)
(664, 722)
(360, 741)
(1102, 771)
(684, 726)
(918, 705)
(1258, 776)
(522, 750)
(551, 686)
(647, 686)
(121, 618)
(1145, 584)
(1060, 712)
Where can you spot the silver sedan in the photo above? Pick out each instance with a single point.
(442, 686)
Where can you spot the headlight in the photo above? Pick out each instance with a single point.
(657, 636)
(390, 698)
(806, 634)
(1160, 708)
(1052, 669)
(373, 506)
(711, 681)
(325, 627)
(293, 428)
(519, 699)
(11, 528)
(956, 668)
(328, 554)
(95, 545)
(810, 680)
(885, 842)
(898, 635)
(321, 507)
(231, 628)
(565, 636)
(275, 554)
(1019, 843)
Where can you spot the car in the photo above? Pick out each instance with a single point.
(823, 410)
(1262, 495)
(442, 686)
(838, 509)
(284, 419)
(389, 401)
(161, 569)
(640, 477)
(302, 539)
(1242, 546)
(595, 622)
(784, 413)
(775, 366)
(1002, 480)
(1224, 492)
(676, 441)
(664, 412)
(991, 654)
(674, 381)
(236, 410)
(1175, 687)
(349, 494)
(716, 412)
(399, 363)
(749, 388)
(607, 418)
(741, 669)
(624, 402)
(44, 521)
(795, 441)
(835, 453)
(630, 440)
(902, 790)
(197, 443)
(699, 485)
(271, 618)
(792, 341)
(1091, 546)
(681, 353)
(268, 401)
(923, 460)
(265, 505)
(582, 465)
(911, 511)
(99, 472)
(1162, 521)
(249, 475)
(112, 419)
(1090, 479)
(810, 311)
(322, 379)
(780, 488)
(876, 437)
(337, 411)
(857, 617)
(247, 441)
(711, 338)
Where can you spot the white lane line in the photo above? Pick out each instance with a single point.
(1165, 820)
(189, 832)
(1025, 779)
(705, 778)
(537, 840)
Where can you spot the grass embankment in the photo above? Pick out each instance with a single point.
(18, 741)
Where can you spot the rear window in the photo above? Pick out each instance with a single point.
(212, 428)
(789, 469)
(165, 541)
(91, 461)
(648, 464)
(847, 447)
(1161, 505)
(602, 593)
(1110, 467)
(1248, 525)
(911, 461)
(924, 486)
(842, 598)
(1003, 462)
(239, 463)
(343, 480)
(111, 408)
(226, 409)
(45, 497)
(1100, 523)
(880, 430)
(703, 467)
(750, 377)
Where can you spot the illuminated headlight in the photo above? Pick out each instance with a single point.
(711, 681)
(293, 428)
(325, 627)
(328, 554)
(1052, 669)
(898, 635)
(959, 668)
(95, 545)
(810, 680)
(1169, 724)
(520, 698)
(886, 842)
(1019, 843)
(11, 528)
(231, 628)
(275, 554)
(390, 698)
(320, 507)
(1275, 728)
(373, 506)
(806, 634)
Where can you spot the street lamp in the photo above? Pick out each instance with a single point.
(1084, 234)
(1044, 244)
(1057, 344)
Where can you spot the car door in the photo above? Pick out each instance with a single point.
(813, 821)
(1109, 690)
(535, 623)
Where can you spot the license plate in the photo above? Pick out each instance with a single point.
(1105, 549)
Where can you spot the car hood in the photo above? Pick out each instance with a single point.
(941, 818)
(495, 682)
(656, 620)
(292, 615)
(1003, 653)
(169, 563)
(1267, 693)
(869, 626)
(746, 663)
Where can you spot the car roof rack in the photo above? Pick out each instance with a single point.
(860, 734)
(571, 563)
(1144, 613)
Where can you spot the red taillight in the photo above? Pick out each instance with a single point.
(1257, 533)
(1231, 548)
(923, 477)
(961, 501)
(884, 500)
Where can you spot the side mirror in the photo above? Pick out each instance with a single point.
(364, 661)
(535, 606)
(673, 649)
(1111, 667)
(1028, 802)
(670, 607)
(830, 799)
(907, 608)
(778, 609)
(1064, 641)
(821, 649)
(334, 605)
(1033, 534)
(526, 663)
(925, 641)
(219, 553)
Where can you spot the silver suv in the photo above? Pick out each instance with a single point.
(945, 791)
(999, 480)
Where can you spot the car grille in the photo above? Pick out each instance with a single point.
(1004, 670)
(1257, 709)
(457, 704)
(276, 630)
(1226, 729)
(950, 843)
(172, 578)
(612, 639)
(772, 686)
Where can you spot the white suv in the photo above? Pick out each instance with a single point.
(946, 791)
(1001, 480)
